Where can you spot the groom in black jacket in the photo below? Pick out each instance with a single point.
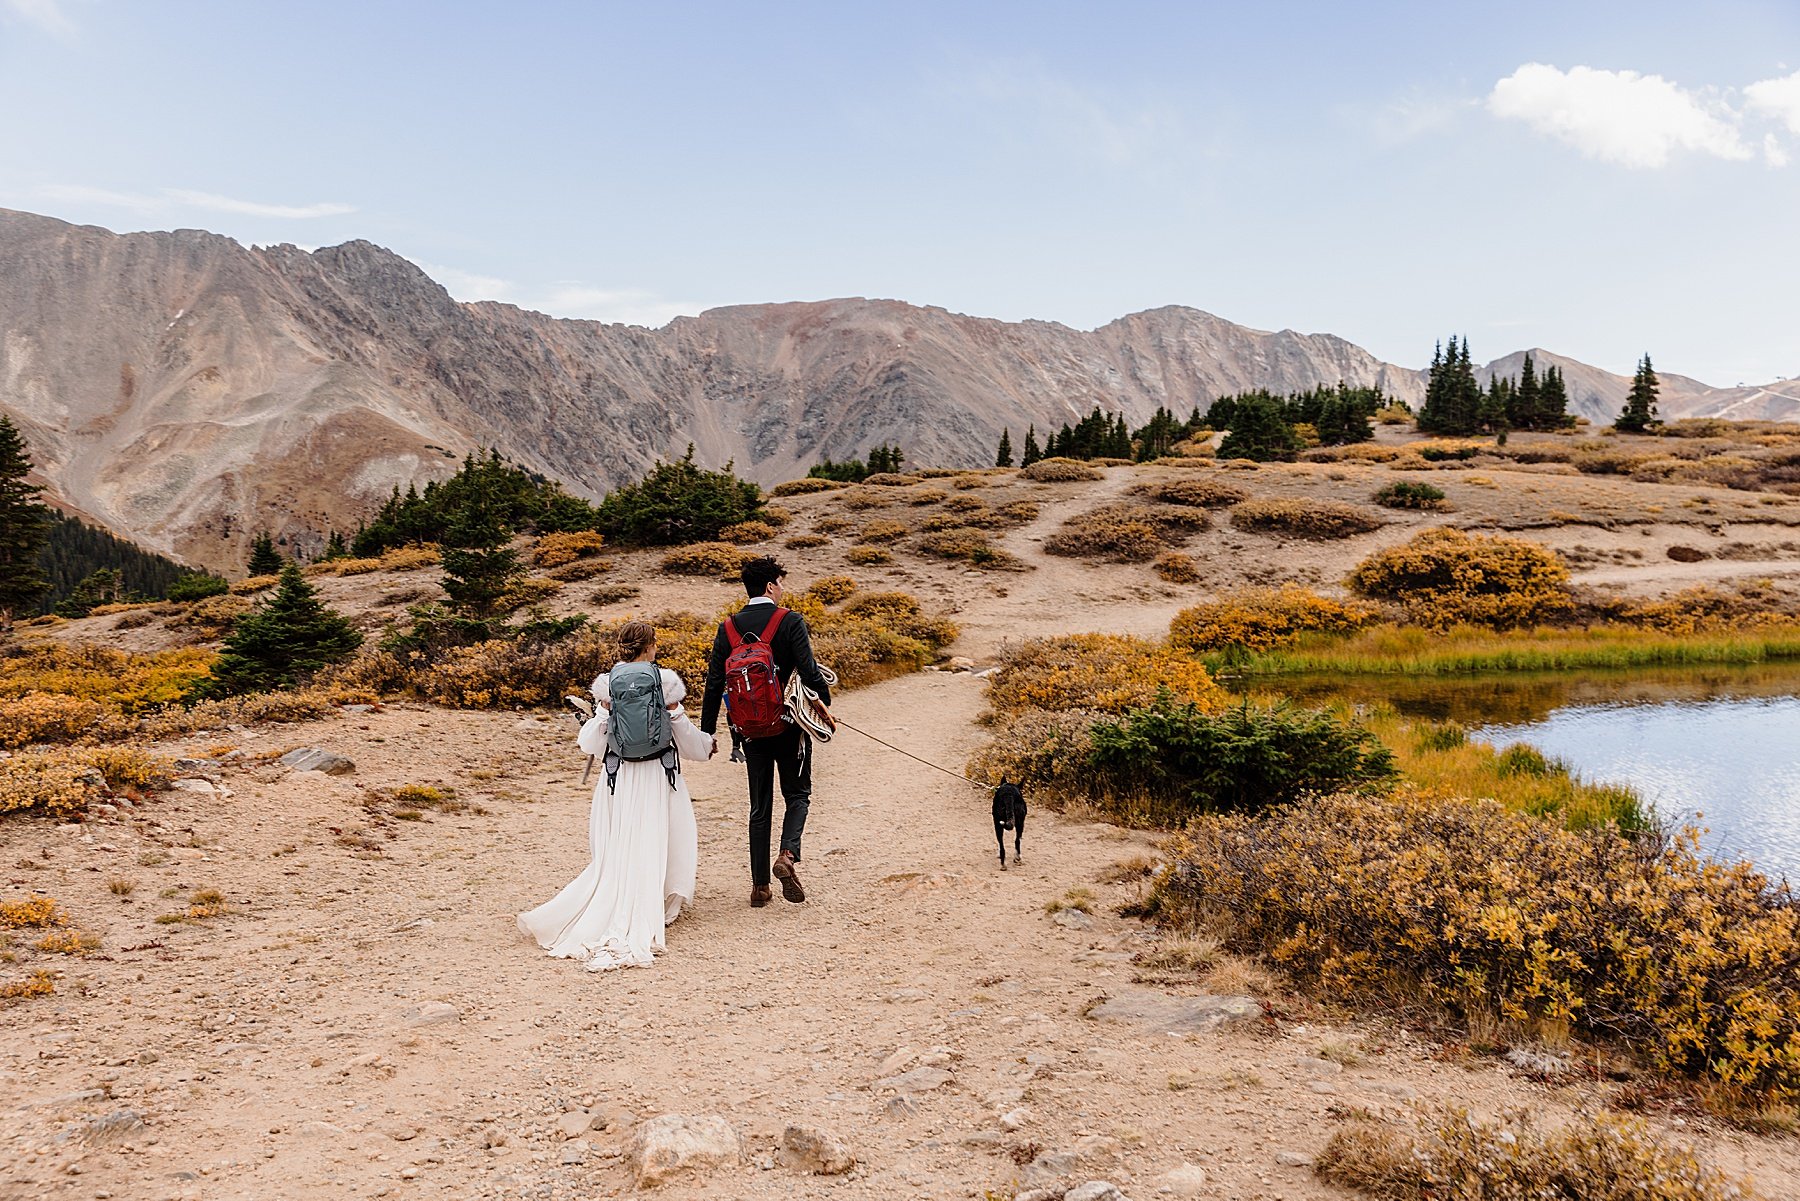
(789, 752)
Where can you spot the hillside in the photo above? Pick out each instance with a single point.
(185, 390)
(363, 1018)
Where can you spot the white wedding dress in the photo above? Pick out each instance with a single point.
(645, 849)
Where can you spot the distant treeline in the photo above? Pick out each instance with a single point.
(514, 498)
(74, 550)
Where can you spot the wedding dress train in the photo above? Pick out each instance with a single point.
(645, 850)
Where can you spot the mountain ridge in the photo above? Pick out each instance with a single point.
(185, 390)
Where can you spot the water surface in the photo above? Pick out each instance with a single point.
(1716, 745)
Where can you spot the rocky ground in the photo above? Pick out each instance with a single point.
(364, 1020)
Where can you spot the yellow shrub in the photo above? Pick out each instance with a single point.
(1209, 494)
(405, 558)
(35, 911)
(1125, 533)
(744, 533)
(1176, 567)
(1058, 471)
(1107, 673)
(867, 498)
(890, 479)
(832, 588)
(581, 569)
(868, 556)
(214, 616)
(1443, 577)
(39, 984)
(1510, 918)
(882, 530)
(341, 567)
(117, 680)
(972, 546)
(806, 541)
(1304, 518)
(527, 590)
(775, 515)
(806, 486)
(45, 717)
(254, 584)
(1260, 618)
(1451, 1154)
(706, 558)
(554, 550)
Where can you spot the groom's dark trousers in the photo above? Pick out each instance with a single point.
(790, 754)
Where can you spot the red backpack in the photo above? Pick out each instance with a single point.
(753, 702)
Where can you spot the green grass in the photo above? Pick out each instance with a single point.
(1409, 650)
(1439, 760)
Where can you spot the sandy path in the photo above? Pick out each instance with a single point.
(270, 1054)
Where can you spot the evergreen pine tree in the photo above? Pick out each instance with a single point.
(335, 547)
(1528, 399)
(102, 587)
(1258, 430)
(283, 640)
(1491, 411)
(1553, 401)
(478, 563)
(1640, 404)
(24, 526)
(1031, 453)
(264, 558)
(1431, 413)
(1004, 458)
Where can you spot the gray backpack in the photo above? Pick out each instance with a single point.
(638, 727)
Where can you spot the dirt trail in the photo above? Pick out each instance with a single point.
(276, 1051)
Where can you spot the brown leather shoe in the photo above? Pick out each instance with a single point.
(760, 895)
(790, 883)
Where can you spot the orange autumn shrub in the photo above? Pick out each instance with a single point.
(1445, 577)
(1102, 673)
(1258, 619)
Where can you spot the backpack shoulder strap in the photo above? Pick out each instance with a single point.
(732, 638)
(775, 619)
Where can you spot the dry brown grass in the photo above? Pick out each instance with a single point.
(806, 487)
(1176, 567)
(1058, 471)
(1207, 494)
(719, 559)
(746, 533)
(1320, 519)
(1124, 532)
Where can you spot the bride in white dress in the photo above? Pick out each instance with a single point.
(642, 835)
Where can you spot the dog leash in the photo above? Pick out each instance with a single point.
(928, 763)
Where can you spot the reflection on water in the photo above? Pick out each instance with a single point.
(1720, 742)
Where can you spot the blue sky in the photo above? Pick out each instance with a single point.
(1602, 179)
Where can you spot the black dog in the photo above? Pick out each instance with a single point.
(1009, 814)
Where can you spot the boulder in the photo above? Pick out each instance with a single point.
(312, 758)
(676, 1143)
(919, 1080)
(430, 1013)
(819, 1152)
(1176, 1015)
(1095, 1190)
(1184, 1180)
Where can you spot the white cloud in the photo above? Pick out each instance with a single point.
(1774, 153)
(49, 16)
(82, 194)
(228, 204)
(175, 199)
(1618, 117)
(1102, 126)
(565, 298)
(1777, 98)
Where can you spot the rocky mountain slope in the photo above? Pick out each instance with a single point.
(186, 390)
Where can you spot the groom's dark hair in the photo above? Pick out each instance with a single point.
(760, 573)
